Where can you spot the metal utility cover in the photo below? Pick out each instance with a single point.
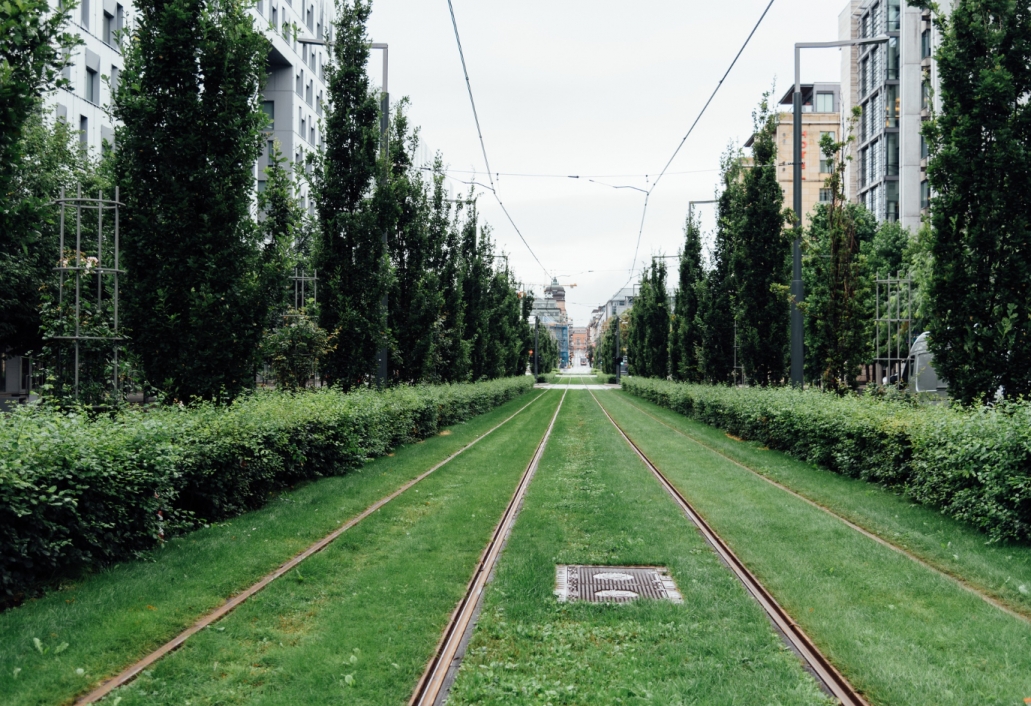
(614, 584)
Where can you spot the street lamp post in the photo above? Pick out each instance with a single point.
(384, 133)
(797, 288)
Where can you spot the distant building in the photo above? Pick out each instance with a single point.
(821, 115)
(552, 317)
(578, 343)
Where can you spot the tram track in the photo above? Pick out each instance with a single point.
(1024, 617)
(832, 681)
(432, 688)
(130, 673)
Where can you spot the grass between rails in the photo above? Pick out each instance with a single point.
(112, 618)
(593, 502)
(1001, 570)
(576, 379)
(358, 622)
(898, 631)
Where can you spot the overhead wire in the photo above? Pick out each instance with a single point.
(648, 193)
(483, 146)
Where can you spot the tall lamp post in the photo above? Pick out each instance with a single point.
(797, 288)
(384, 133)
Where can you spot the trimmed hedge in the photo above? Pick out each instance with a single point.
(971, 463)
(77, 493)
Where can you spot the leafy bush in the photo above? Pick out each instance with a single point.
(971, 463)
(77, 493)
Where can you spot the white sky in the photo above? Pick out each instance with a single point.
(593, 88)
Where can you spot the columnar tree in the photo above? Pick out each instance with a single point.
(281, 222)
(760, 259)
(686, 335)
(716, 304)
(648, 347)
(837, 290)
(190, 134)
(35, 161)
(980, 174)
(416, 298)
(352, 264)
(452, 350)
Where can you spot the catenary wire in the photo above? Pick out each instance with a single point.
(483, 145)
(647, 197)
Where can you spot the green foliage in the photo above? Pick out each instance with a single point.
(972, 464)
(294, 349)
(281, 224)
(190, 133)
(760, 258)
(417, 253)
(686, 335)
(608, 351)
(546, 351)
(33, 46)
(837, 303)
(78, 492)
(980, 174)
(648, 340)
(716, 301)
(350, 258)
(48, 157)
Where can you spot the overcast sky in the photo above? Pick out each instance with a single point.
(578, 87)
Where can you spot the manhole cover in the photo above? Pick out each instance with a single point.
(614, 584)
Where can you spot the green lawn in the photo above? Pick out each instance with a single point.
(577, 379)
(357, 623)
(900, 632)
(1000, 570)
(110, 619)
(593, 501)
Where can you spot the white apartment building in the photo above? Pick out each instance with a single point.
(892, 82)
(295, 91)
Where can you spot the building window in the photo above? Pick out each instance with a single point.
(300, 84)
(923, 147)
(304, 127)
(893, 59)
(925, 195)
(311, 19)
(824, 102)
(864, 162)
(114, 78)
(925, 94)
(892, 106)
(308, 92)
(274, 20)
(108, 29)
(894, 15)
(261, 7)
(269, 108)
(83, 130)
(826, 195)
(84, 21)
(864, 77)
(891, 201)
(891, 154)
(925, 44)
(92, 85)
(311, 135)
(262, 185)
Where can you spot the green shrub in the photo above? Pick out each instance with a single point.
(971, 463)
(77, 493)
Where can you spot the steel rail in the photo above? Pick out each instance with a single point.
(995, 603)
(231, 604)
(432, 688)
(831, 679)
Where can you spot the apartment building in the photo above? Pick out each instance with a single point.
(821, 106)
(893, 84)
(294, 96)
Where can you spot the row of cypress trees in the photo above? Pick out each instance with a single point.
(968, 261)
(205, 278)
